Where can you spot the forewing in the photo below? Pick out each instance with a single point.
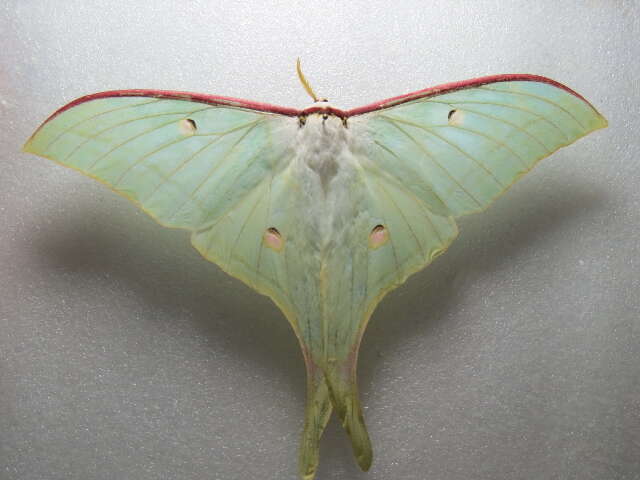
(436, 154)
(469, 142)
(203, 166)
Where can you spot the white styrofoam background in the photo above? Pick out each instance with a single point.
(125, 355)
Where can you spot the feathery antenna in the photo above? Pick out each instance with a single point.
(305, 82)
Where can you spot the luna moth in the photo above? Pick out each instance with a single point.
(321, 209)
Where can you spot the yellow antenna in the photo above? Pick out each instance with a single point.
(305, 82)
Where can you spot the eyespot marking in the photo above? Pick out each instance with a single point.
(188, 126)
(273, 239)
(379, 236)
(455, 117)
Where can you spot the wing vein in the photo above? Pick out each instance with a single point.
(68, 129)
(223, 159)
(119, 124)
(187, 160)
(421, 205)
(456, 147)
(393, 247)
(392, 179)
(231, 208)
(142, 134)
(506, 105)
(140, 160)
(433, 159)
(266, 225)
(351, 292)
(538, 97)
(502, 120)
(413, 233)
(490, 138)
(244, 224)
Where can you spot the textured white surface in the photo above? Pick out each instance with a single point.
(515, 355)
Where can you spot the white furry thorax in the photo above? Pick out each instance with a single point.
(327, 170)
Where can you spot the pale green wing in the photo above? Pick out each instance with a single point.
(469, 142)
(392, 233)
(436, 154)
(207, 167)
(424, 159)
(433, 155)
(219, 168)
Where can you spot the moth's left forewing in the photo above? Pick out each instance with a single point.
(434, 155)
(469, 142)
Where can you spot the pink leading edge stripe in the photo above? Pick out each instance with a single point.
(292, 112)
(453, 86)
(188, 96)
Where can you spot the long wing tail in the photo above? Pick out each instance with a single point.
(327, 389)
(317, 414)
(345, 399)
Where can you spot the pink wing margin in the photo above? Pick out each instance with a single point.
(451, 87)
(187, 96)
(293, 112)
